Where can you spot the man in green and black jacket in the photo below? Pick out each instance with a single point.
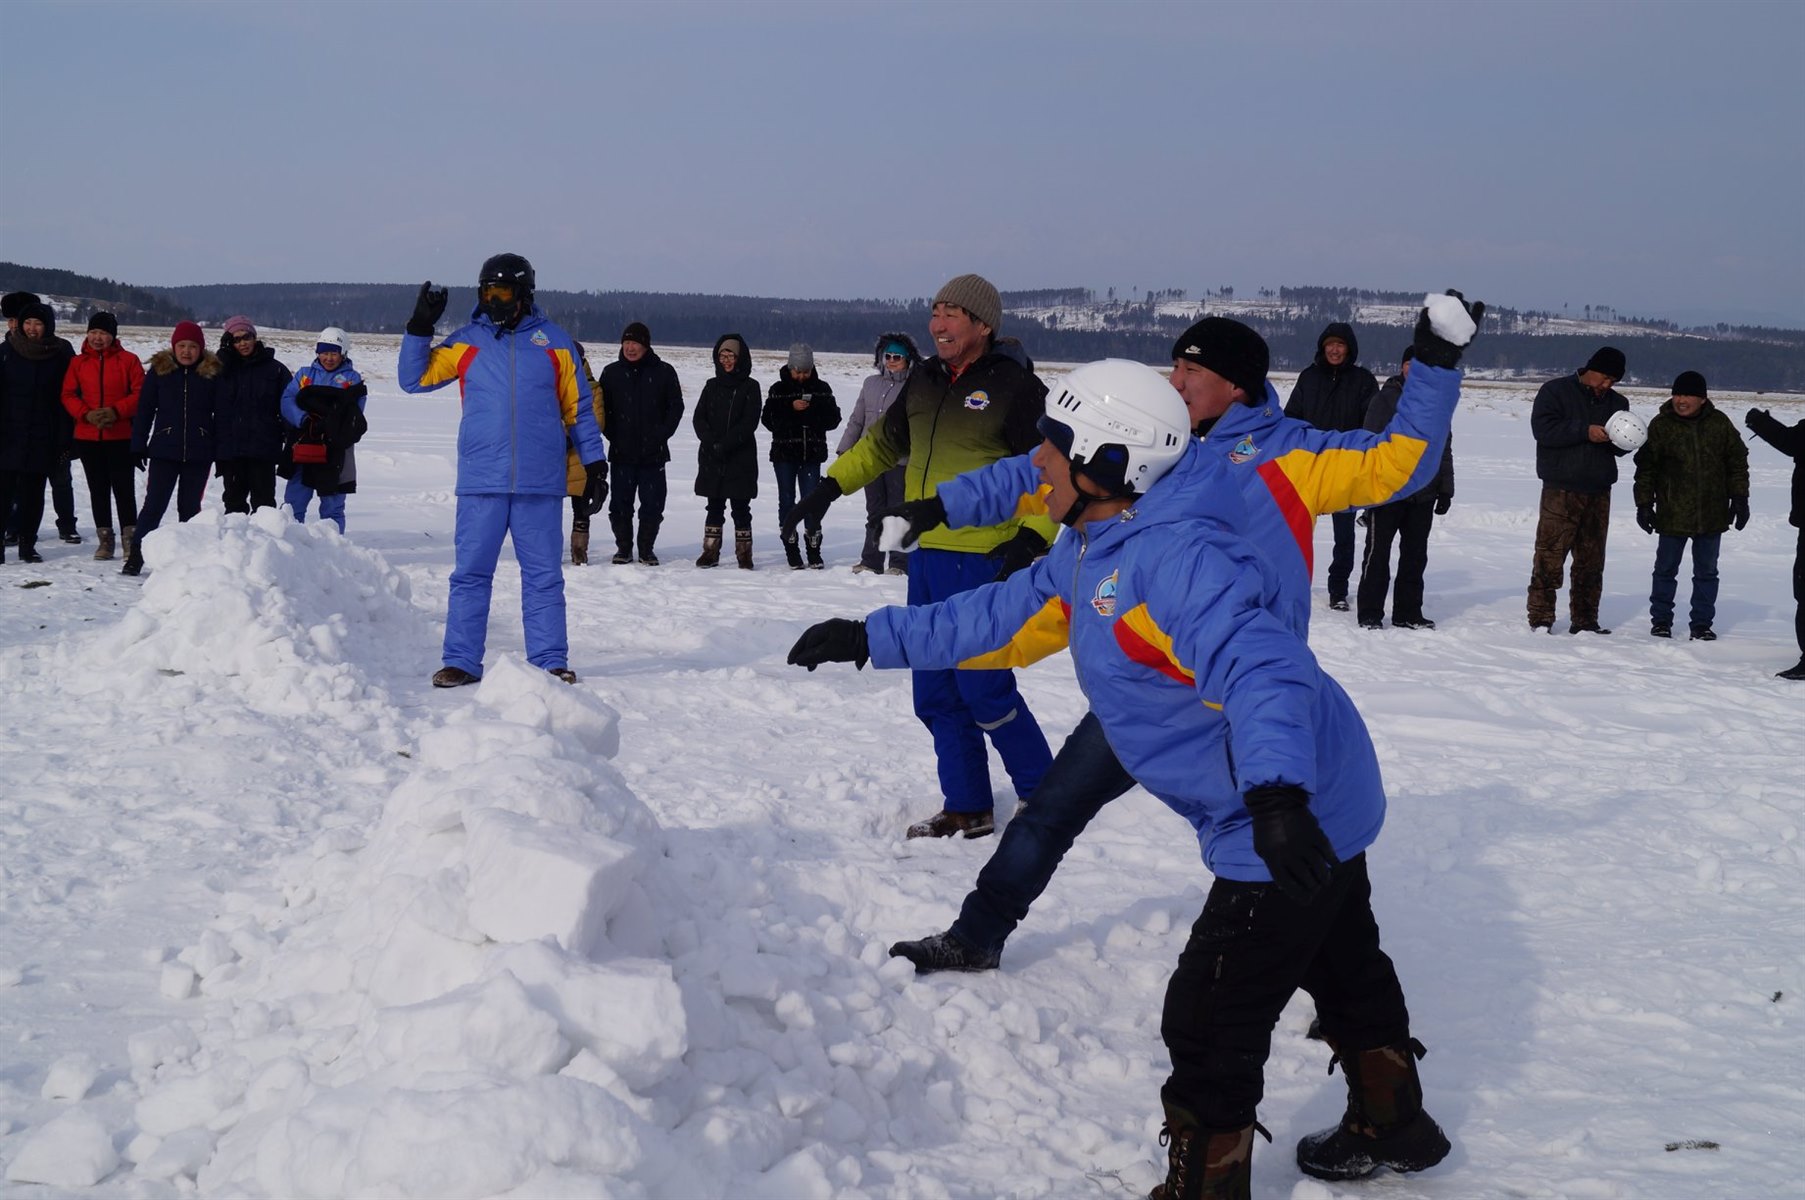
(974, 402)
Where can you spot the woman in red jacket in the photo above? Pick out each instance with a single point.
(101, 393)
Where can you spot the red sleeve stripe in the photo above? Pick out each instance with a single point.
(1297, 515)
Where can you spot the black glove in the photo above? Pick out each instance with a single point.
(429, 306)
(1289, 841)
(144, 462)
(1436, 350)
(1645, 517)
(1018, 552)
(1443, 504)
(1739, 511)
(1748, 418)
(1365, 519)
(595, 492)
(922, 515)
(838, 640)
(812, 506)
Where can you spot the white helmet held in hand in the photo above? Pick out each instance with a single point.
(1123, 424)
(1626, 430)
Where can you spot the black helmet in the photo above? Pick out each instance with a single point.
(507, 268)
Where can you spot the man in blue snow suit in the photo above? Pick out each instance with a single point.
(1284, 474)
(526, 402)
(1218, 708)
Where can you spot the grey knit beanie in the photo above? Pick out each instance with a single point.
(977, 296)
(801, 357)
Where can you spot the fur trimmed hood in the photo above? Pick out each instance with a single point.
(163, 363)
(908, 343)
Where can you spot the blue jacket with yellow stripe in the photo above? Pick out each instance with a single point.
(1202, 687)
(523, 389)
(1289, 471)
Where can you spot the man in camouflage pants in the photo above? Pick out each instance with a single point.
(1577, 465)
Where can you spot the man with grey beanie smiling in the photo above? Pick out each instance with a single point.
(975, 402)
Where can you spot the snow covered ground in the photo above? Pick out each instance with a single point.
(278, 919)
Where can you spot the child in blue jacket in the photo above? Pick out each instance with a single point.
(1216, 706)
(323, 406)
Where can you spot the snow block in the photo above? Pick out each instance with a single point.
(530, 880)
(627, 1012)
(73, 1150)
(491, 1026)
(70, 1077)
(519, 692)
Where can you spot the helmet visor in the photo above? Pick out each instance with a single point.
(1057, 432)
(497, 293)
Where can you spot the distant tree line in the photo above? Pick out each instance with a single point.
(1744, 358)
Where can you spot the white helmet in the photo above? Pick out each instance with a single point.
(332, 335)
(1123, 424)
(1626, 430)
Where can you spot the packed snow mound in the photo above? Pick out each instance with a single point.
(300, 615)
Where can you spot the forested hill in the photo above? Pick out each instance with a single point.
(1055, 324)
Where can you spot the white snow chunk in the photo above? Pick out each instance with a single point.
(176, 981)
(187, 1103)
(183, 1153)
(70, 1077)
(491, 1026)
(72, 1150)
(1448, 318)
(530, 879)
(889, 539)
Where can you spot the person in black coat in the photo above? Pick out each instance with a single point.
(1407, 520)
(35, 430)
(1333, 392)
(174, 434)
(642, 405)
(1577, 464)
(1790, 441)
(799, 411)
(249, 417)
(726, 425)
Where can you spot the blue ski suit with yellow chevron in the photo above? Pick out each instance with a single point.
(525, 401)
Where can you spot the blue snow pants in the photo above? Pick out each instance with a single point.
(960, 707)
(536, 524)
(298, 496)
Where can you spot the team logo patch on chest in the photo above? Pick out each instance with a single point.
(978, 401)
(341, 381)
(539, 338)
(1244, 451)
(1105, 599)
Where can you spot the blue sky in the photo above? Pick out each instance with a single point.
(1649, 156)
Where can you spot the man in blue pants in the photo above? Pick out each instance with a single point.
(525, 402)
(1287, 473)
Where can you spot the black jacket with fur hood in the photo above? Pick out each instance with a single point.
(176, 409)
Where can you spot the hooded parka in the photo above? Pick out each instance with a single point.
(726, 425)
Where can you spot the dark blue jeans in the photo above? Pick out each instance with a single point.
(794, 482)
(1668, 552)
(646, 483)
(1341, 561)
(1085, 776)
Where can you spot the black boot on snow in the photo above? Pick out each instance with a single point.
(944, 952)
(1384, 1126)
(812, 542)
(792, 551)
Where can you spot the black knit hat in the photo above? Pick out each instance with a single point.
(104, 321)
(37, 310)
(1608, 360)
(1229, 348)
(13, 303)
(1690, 383)
(637, 332)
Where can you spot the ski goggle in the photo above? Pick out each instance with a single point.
(497, 293)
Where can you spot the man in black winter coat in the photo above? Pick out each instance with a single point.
(799, 410)
(1333, 392)
(1577, 465)
(248, 417)
(1790, 441)
(34, 426)
(642, 405)
(1407, 520)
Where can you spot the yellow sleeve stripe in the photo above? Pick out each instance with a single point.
(445, 363)
(1331, 480)
(1041, 635)
(1144, 642)
(568, 395)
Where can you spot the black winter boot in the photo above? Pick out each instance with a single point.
(944, 952)
(812, 541)
(711, 546)
(623, 541)
(742, 548)
(648, 537)
(1384, 1126)
(1205, 1164)
(792, 551)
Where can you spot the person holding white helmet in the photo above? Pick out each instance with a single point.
(323, 407)
(1274, 769)
(1576, 460)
